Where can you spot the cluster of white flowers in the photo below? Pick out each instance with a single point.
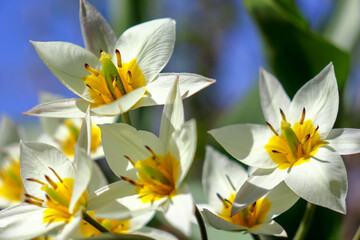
(53, 188)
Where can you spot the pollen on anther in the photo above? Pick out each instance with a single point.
(230, 182)
(35, 180)
(51, 182)
(118, 58)
(90, 69)
(302, 116)
(58, 177)
(272, 128)
(130, 160)
(283, 115)
(151, 151)
(33, 197)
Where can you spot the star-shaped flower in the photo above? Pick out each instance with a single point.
(221, 179)
(114, 76)
(299, 145)
(154, 167)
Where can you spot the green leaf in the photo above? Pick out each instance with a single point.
(294, 52)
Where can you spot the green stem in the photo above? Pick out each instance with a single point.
(94, 223)
(200, 221)
(126, 118)
(357, 234)
(305, 222)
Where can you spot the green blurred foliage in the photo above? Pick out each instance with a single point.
(293, 51)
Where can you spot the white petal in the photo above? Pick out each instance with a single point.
(345, 140)
(82, 161)
(246, 142)
(63, 108)
(66, 61)
(173, 114)
(247, 194)
(219, 223)
(269, 228)
(321, 181)
(273, 98)
(70, 227)
(36, 159)
(257, 185)
(24, 222)
(183, 146)
(320, 98)
(127, 207)
(138, 222)
(150, 43)
(189, 84)
(155, 233)
(109, 193)
(96, 31)
(282, 198)
(219, 176)
(121, 105)
(180, 213)
(120, 140)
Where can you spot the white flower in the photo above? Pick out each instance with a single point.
(299, 145)
(56, 194)
(11, 187)
(63, 133)
(153, 168)
(124, 76)
(221, 179)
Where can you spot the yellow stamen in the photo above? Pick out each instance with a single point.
(296, 144)
(91, 70)
(57, 176)
(118, 58)
(123, 78)
(282, 115)
(249, 217)
(302, 117)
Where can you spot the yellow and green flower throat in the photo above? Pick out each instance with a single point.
(111, 83)
(57, 199)
(157, 176)
(295, 145)
(249, 217)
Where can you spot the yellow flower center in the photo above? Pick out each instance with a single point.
(11, 186)
(112, 82)
(57, 201)
(295, 145)
(249, 217)
(114, 226)
(68, 144)
(157, 176)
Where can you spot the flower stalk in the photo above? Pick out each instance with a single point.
(305, 222)
(94, 223)
(201, 223)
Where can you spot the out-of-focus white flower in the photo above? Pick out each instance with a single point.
(11, 186)
(56, 190)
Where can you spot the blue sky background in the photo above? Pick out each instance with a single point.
(24, 76)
